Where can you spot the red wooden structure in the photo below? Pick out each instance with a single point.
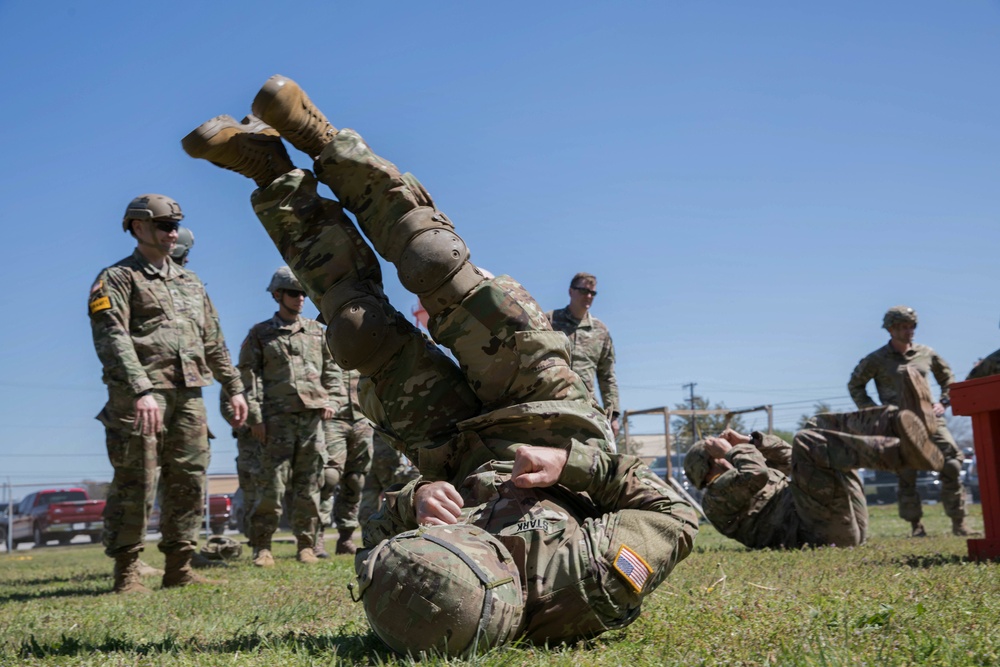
(980, 399)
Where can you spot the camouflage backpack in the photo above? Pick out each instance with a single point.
(451, 590)
(219, 547)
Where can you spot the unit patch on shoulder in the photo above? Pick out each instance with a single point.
(632, 567)
(97, 305)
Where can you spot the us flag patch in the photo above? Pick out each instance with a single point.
(630, 565)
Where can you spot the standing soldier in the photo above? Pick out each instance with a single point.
(348, 459)
(185, 241)
(591, 350)
(288, 371)
(247, 466)
(389, 468)
(886, 366)
(158, 338)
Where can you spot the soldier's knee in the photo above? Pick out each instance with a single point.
(952, 469)
(361, 329)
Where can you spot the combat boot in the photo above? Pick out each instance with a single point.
(915, 396)
(959, 528)
(127, 578)
(320, 548)
(249, 147)
(179, 572)
(345, 544)
(305, 555)
(283, 105)
(262, 556)
(146, 570)
(918, 529)
(917, 450)
(200, 562)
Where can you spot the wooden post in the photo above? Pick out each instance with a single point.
(980, 399)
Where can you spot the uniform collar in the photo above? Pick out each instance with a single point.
(279, 323)
(168, 271)
(585, 322)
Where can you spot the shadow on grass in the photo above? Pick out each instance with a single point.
(35, 594)
(358, 648)
(925, 561)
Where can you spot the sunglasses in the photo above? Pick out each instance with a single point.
(294, 293)
(165, 226)
(585, 290)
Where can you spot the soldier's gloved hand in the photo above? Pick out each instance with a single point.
(259, 431)
(538, 466)
(717, 447)
(437, 504)
(734, 438)
(148, 418)
(240, 410)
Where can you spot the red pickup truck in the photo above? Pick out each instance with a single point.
(220, 509)
(56, 514)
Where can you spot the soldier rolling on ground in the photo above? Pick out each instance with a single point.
(765, 493)
(886, 366)
(592, 354)
(348, 458)
(507, 440)
(158, 338)
(288, 371)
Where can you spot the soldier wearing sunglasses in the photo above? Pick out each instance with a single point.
(591, 350)
(158, 338)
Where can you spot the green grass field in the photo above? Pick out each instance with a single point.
(895, 601)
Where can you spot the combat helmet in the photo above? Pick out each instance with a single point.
(283, 278)
(697, 464)
(898, 314)
(183, 245)
(152, 207)
(450, 590)
(220, 547)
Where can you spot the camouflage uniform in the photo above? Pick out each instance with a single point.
(883, 366)
(388, 469)
(247, 465)
(155, 330)
(591, 354)
(288, 371)
(808, 493)
(986, 367)
(572, 550)
(348, 450)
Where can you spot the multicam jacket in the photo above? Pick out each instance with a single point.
(344, 394)
(556, 535)
(286, 367)
(591, 353)
(883, 366)
(986, 367)
(157, 329)
(752, 502)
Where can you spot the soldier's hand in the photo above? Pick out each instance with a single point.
(259, 431)
(437, 504)
(938, 410)
(734, 438)
(717, 447)
(327, 413)
(615, 427)
(240, 410)
(148, 418)
(538, 466)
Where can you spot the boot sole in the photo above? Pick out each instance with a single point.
(919, 453)
(918, 399)
(198, 142)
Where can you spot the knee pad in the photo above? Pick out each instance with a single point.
(952, 469)
(361, 329)
(431, 260)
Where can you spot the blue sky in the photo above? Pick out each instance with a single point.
(753, 183)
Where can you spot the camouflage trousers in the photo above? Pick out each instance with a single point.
(388, 469)
(248, 472)
(952, 491)
(506, 350)
(349, 453)
(182, 453)
(292, 459)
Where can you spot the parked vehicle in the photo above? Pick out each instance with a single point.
(4, 522)
(220, 509)
(56, 514)
(882, 486)
(659, 466)
(970, 477)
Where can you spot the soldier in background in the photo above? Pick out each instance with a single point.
(247, 466)
(886, 366)
(591, 351)
(765, 493)
(288, 371)
(348, 458)
(185, 241)
(510, 424)
(389, 469)
(986, 367)
(158, 338)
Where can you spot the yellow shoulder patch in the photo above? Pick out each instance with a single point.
(97, 305)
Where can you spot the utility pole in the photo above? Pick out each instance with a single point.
(694, 424)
